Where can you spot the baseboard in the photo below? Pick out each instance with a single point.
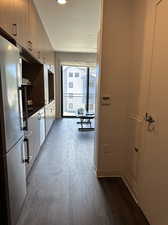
(129, 188)
(106, 174)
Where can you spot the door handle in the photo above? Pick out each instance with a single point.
(148, 118)
(136, 150)
(151, 122)
(30, 46)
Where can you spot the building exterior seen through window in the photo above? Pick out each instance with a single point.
(78, 92)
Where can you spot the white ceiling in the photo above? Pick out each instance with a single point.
(72, 27)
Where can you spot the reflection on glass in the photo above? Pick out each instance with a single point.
(92, 89)
(75, 90)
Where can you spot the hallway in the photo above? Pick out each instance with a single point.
(63, 188)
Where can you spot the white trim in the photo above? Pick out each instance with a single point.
(106, 174)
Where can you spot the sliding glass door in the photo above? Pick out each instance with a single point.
(78, 90)
(92, 90)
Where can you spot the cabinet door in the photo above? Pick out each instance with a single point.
(6, 13)
(16, 20)
(34, 138)
(46, 84)
(3, 23)
(40, 43)
(32, 25)
(47, 119)
(53, 111)
(50, 115)
(22, 16)
(42, 126)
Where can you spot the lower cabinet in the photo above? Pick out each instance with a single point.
(35, 136)
(50, 116)
(41, 117)
(39, 125)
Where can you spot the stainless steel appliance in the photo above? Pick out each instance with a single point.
(11, 120)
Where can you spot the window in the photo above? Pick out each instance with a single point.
(91, 107)
(70, 105)
(70, 74)
(91, 83)
(70, 84)
(78, 89)
(70, 95)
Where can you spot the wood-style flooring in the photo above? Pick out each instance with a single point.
(63, 188)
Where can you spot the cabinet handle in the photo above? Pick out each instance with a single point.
(30, 46)
(136, 149)
(20, 108)
(14, 29)
(39, 116)
(38, 54)
(27, 160)
(25, 120)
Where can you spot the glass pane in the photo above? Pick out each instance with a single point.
(92, 90)
(74, 89)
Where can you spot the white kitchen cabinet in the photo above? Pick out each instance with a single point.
(48, 120)
(41, 117)
(35, 135)
(53, 111)
(33, 139)
(49, 115)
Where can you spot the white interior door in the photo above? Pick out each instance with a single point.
(154, 168)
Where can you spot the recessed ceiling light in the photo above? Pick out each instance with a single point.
(62, 2)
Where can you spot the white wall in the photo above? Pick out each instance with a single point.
(70, 58)
(114, 65)
(135, 110)
(125, 59)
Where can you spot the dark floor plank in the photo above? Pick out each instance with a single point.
(63, 188)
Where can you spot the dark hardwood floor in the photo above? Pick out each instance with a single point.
(63, 188)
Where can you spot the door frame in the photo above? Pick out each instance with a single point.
(87, 91)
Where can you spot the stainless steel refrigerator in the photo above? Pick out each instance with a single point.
(12, 149)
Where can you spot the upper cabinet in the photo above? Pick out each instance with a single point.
(19, 18)
(6, 17)
(21, 10)
(33, 29)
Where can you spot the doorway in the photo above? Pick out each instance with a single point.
(78, 90)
